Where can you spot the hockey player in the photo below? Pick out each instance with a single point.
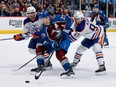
(93, 36)
(59, 41)
(100, 19)
(30, 25)
(55, 39)
(65, 20)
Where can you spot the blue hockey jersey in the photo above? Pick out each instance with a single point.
(62, 20)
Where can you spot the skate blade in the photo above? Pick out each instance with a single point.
(49, 68)
(101, 73)
(106, 46)
(32, 73)
(37, 75)
(68, 77)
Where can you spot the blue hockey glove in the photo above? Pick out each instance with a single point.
(66, 31)
(34, 28)
(36, 34)
(55, 45)
(35, 31)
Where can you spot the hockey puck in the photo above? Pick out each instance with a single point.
(27, 81)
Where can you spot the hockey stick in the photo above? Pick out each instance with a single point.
(38, 74)
(13, 38)
(25, 64)
(6, 39)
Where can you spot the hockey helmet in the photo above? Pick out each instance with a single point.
(44, 14)
(31, 10)
(96, 6)
(78, 14)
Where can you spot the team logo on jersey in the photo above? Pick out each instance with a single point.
(43, 35)
(76, 34)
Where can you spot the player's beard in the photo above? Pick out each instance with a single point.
(32, 17)
(78, 22)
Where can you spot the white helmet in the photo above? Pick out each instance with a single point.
(78, 14)
(31, 9)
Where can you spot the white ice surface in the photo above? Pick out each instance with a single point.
(14, 54)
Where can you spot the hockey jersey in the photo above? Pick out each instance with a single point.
(61, 22)
(86, 29)
(28, 24)
(63, 19)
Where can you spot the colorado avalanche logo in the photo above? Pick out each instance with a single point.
(76, 34)
(43, 35)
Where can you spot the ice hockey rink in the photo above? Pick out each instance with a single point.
(14, 54)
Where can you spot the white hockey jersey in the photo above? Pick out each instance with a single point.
(28, 24)
(87, 30)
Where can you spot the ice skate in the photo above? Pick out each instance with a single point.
(101, 70)
(106, 45)
(49, 66)
(68, 74)
(37, 69)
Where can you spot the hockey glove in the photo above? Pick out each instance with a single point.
(36, 34)
(18, 37)
(55, 45)
(67, 31)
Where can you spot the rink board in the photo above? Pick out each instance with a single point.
(14, 25)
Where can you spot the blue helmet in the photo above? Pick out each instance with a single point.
(96, 6)
(44, 14)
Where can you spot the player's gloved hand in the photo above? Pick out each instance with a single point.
(33, 29)
(107, 25)
(36, 34)
(55, 45)
(67, 31)
(18, 37)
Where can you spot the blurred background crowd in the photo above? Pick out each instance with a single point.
(18, 7)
